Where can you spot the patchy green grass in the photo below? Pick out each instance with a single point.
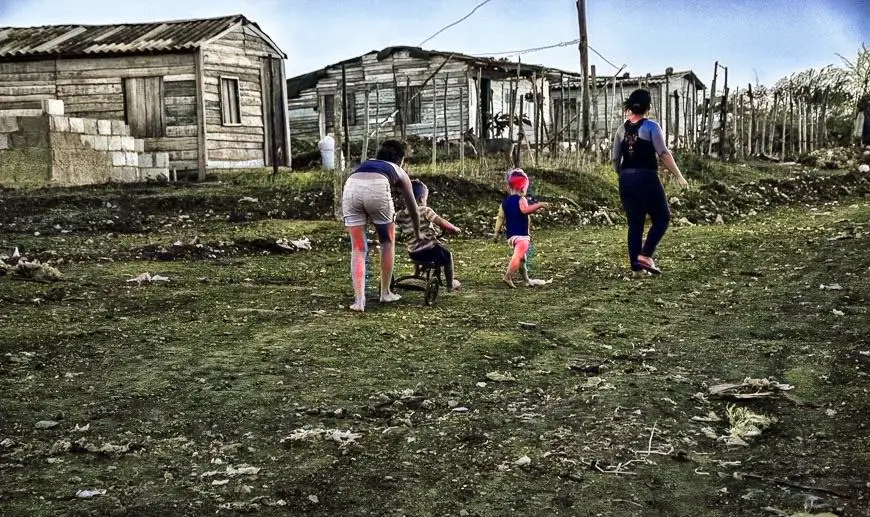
(201, 376)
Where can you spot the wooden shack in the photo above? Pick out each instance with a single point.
(402, 91)
(210, 92)
(675, 105)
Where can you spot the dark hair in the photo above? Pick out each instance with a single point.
(638, 102)
(419, 188)
(392, 151)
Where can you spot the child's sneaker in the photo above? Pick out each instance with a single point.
(647, 264)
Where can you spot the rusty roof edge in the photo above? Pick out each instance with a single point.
(155, 22)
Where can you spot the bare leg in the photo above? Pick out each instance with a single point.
(448, 273)
(359, 250)
(387, 237)
(518, 259)
(524, 270)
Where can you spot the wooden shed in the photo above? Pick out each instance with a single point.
(210, 92)
(411, 91)
(675, 105)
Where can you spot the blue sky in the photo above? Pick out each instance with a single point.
(766, 39)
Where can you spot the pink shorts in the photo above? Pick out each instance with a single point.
(365, 200)
(518, 238)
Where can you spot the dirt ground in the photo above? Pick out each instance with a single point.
(242, 384)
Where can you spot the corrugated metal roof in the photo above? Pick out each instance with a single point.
(127, 38)
(296, 85)
(627, 80)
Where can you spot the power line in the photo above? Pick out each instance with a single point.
(529, 50)
(546, 47)
(478, 6)
(602, 57)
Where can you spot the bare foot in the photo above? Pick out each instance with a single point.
(390, 297)
(358, 307)
(509, 282)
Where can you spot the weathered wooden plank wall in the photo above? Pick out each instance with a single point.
(614, 99)
(308, 123)
(93, 87)
(237, 55)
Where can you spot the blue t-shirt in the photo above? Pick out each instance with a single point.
(388, 169)
(516, 223)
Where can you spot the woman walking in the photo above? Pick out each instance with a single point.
(367, 197)
(636, 146)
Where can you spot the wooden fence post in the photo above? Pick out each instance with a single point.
(377, 115)
(462, 88)
(338, 172)
(446, 122)
(365, 147)
(709, 107)
(434, 125)
(676, 119)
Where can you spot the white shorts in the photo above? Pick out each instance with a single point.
(365, 200)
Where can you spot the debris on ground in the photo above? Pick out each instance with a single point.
(35, 271)
(241, 470)
(831, 287)
(148, 278)
(500, 377)
(342, 438)
(87, 494)
(745, 424)
(749, 388)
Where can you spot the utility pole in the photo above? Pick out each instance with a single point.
(584, 66)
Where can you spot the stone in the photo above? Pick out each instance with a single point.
(52, 106)
(104, 127)
(59, 123)
(154, 173)
(146, 160)
(720, 219)
(8, 124)
(4, 141)
(139, 145)
(161, 159)
(101, 142)
(132, 159)
(45, 424)
(119, 128)
(76, 125)
(115, 143)
(127, 143)
(90, 126)
(119, 158)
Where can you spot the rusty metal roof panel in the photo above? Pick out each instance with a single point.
(130, 38)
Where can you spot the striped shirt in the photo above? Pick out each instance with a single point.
(428, 228)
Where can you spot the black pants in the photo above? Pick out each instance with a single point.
(642, 194)
(440, 256)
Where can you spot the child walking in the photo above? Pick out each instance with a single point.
(513, 216)
(427, 247)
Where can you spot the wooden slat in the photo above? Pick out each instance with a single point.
(154, 105)
(171, 144)
(181, 131)
(121, 63)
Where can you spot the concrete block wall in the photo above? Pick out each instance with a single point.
(73, 151)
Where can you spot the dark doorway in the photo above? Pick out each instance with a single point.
(485, 106)
(274, 113)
